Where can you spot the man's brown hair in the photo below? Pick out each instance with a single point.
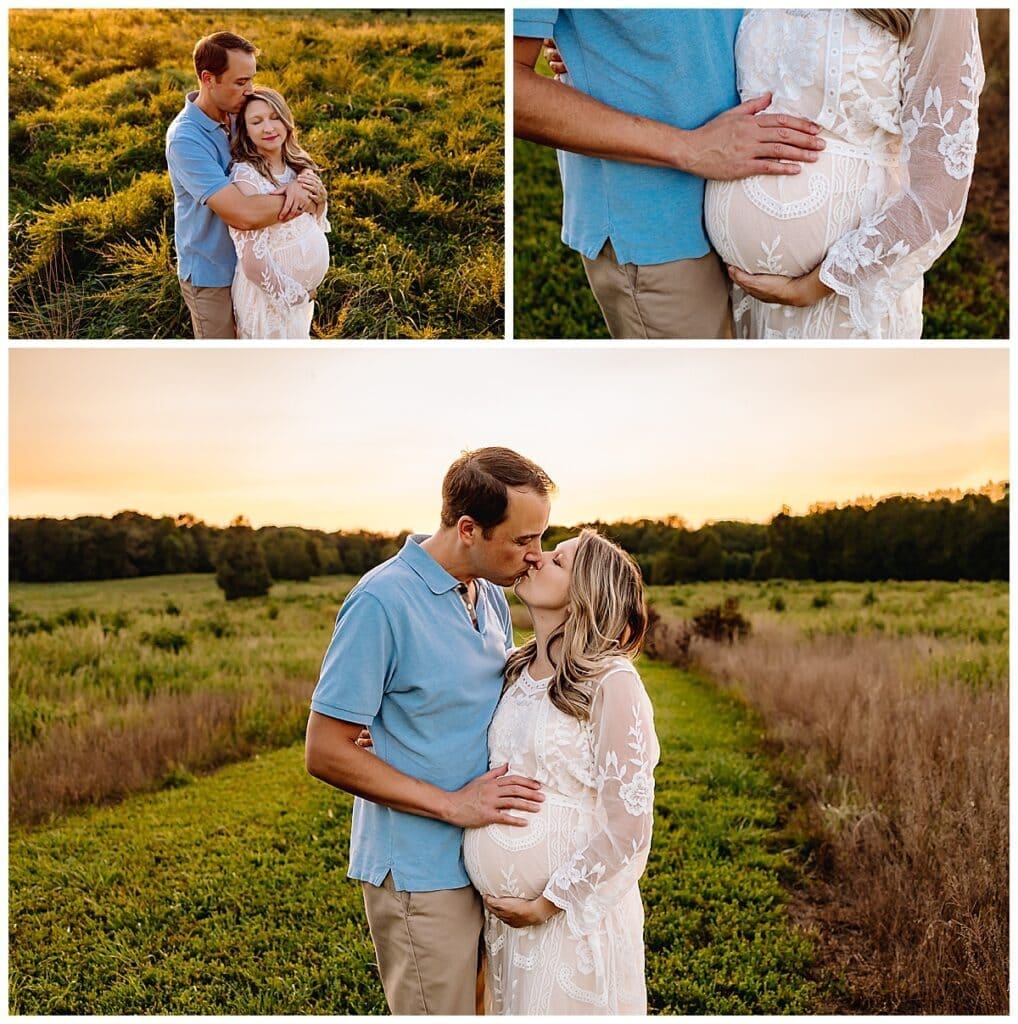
(478, 482)
(212, 53)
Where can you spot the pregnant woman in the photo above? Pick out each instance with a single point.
(839, 250)
(563, 917)
(278, 267)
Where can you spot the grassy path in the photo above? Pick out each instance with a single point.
(229, 895)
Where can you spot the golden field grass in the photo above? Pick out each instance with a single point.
(404, 114)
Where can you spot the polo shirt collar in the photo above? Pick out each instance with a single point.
(437, 579)
(200, 118)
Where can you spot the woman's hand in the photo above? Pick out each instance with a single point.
(520, 913)
(311, 181)
(296, 198)
(554, 59)
(785, 291)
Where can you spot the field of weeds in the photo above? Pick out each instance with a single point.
(128, 685)
(882, 707)
(229, 895)
(887, 710)
(966, 290)
(405, 114)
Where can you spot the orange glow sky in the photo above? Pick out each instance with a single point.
(360, 438)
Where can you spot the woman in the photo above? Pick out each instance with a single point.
(563, 917)
(278, 267)
(839, 250)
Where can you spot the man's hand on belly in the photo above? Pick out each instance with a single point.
(488, 799)
(742, 142)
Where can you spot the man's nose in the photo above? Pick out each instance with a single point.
(534, 557)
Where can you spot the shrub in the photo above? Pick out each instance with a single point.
(821, 600)
(777, 603)
(167, 640)
(723, 622)
(171, 608)
(75, 617)
(870, 597)
(668, 640)
(114, 622)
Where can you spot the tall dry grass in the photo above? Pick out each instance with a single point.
(148, 744)
(905, 777)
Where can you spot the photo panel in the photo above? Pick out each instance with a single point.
(739, 617)
(768, 174)
(256, 174)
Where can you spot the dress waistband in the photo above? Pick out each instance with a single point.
(884, 158)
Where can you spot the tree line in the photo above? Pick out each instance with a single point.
(903, 538)
(44, 550)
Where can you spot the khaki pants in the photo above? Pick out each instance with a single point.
(680, 299)
(427, 946)
(211, 311)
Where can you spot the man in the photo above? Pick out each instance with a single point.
(650, 113)
(205, 203)
(417, 655)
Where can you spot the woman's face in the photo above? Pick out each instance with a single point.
(547, 587)
(266, 128)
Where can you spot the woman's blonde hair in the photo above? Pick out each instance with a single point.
(243, 149)
(897, 22)
(607, 617)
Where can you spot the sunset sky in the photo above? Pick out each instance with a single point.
(360, 438)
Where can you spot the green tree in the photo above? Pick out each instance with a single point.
(240, 565)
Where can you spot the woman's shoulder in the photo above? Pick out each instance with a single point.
(241, 170)
(618, 671)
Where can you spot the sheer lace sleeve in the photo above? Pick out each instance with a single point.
(893, 248)
(254, 250)
(615, 854)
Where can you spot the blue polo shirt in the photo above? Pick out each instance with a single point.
(198, 154)
(406, 660)
(676, 66)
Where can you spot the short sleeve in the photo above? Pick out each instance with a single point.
(245, 174)
(358, 663)
(194, 164)
(535, 22)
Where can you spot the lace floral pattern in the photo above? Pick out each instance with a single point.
(900, 123)
(277, 267)
(585, 850)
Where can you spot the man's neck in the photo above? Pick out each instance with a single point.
(204, 103)
(443, 547)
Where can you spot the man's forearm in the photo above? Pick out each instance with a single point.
(261, 211)
(354, 770)
(551, 114)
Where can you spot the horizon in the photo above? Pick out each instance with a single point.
(361, 438)
(992, 488)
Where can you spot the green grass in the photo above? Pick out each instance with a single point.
(78, 650)
(228, 895)
(975, 613)
(404, 114)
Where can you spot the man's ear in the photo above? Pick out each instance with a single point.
(467, 530)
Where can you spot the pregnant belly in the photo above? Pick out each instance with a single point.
(785, 224)
(307, 260)
(507, 860)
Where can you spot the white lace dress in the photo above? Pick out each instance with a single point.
(277, 267)
(887, 195)
(585, 850)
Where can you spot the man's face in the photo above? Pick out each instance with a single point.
(514, 546)
(229, 90)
